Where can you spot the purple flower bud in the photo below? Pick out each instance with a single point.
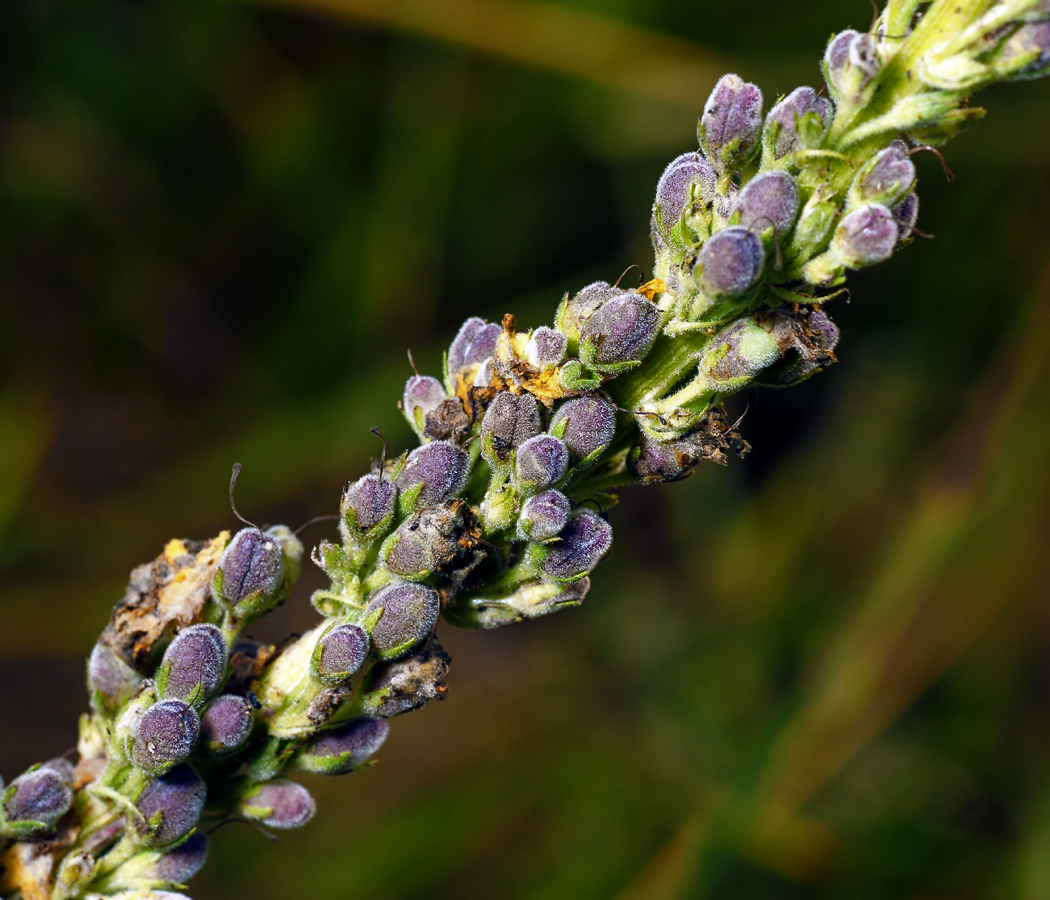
(475, 342)
(886, 178)
(181, 863)
(196, 661)
(110, 677)
(739, 352)
(422, 394)
(343, 749)
(906, 213)
(865, 236)
(409, 683)
(730, 263)
(653, 461)
(252, 563)
(226, 723)
(780, 131)
(341, 651)
(1032, 38)
(542, 461)
(589, 425)
(769, 200)
(430, 540)
(441, 467)
(543, 516)
(509, 421)
(35, 801)
(731, 123)
(279, 804)
(164, 736)
(686, 178)
(580, 546)
(62, 766)
(574, 312)
(410, 612)
(546, 348)
(850, 62)
(171, 805)
(368, 503)
(620, 334)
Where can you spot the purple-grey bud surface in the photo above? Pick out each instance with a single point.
(111, 676)
(181, 863)
(178, 797)
(164, 735)
(887, 177)
(279, 804)
(196, 658)
(372, 498)
(475, 342)
(422, 394)
(865, 236)
(590, 424)
(730, 263)
(543, 516)
(574, 312)
(769, 200)
(542, 461)
(906, 214)
(685, 176)
(783, 118)
(252, 562)
(510, 421)
(546, 348)
(344, 649)
(619, 333)
(731, 122)
(43, 795)
(410, 612)
(836, 56)
(441, 467)
(582, 543)
(1031, 38)
(341, 749)
(226, 722)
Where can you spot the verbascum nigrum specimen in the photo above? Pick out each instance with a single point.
(501, 513)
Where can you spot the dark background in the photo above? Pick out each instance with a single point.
(822, 672)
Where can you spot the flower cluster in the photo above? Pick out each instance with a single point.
(499, 515)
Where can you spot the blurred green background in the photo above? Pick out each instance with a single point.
(823, 672)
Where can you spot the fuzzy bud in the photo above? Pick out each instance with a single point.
(408, 683)
(619, 334)
(368, 504)
(171, 805)
(586, 425)
(341, 651)
(279, 804)
(543, 516)
(780, 133)
(906, 214)
(850, 62)
(542, 461)
(429, 540)
(731, 123)
(251, 565)
(182, 862)
(546, 348)
(422, 394)
(475, 343)
(440, 467)
(343, 749)
(582, 543)
(164, 736)
(110, 678)
(410, 612)
(737, 353)
(226, 723)
(769, 200)
(509, 421)
(193, 664)
(34, 802)
(687, 178)
(730, 263)
(574, 312)
(865, 236)
(886, 178)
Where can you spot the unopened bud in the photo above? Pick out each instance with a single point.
(850, 62)
(573, 312)
(252, 565)
(343, 749)
(586, 425)
(181, 863)
(580, 546)
(194, 664)
(409, 614)
(781, 131)
(279, 804)
(440, 467)
(686, 179)
(341, 651)
(110, 678)
(546, 348)
(475, 343)
(171, 805)
(34, 802)
(769, 200)
(422, 394)
(430, 540)
(164, 736)
(226, 723)
(865, 236)
(543, 516)
(619, 334)
(542, 461)
(886, 178)
(409, 683)
(509, 421)
(731, 123)
(738, 353)
(368, 505)
(730, 263)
